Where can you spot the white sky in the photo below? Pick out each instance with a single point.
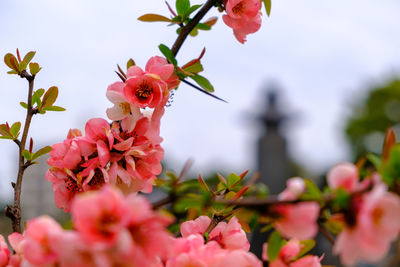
(323, 53)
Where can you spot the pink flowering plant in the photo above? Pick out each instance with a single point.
(101, 177)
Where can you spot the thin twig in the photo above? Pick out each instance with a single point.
(185, 31)
(325, 233)
(14, 212)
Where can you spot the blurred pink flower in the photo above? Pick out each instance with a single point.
(17, 242)
(297, 220)
(100, 216)
(4, 252)
(343, 175)
(288, 254)
(377, 223)
(295, 186)
(39, 248)
(243, 16)
(230, 235)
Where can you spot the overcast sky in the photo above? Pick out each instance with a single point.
(324, 54)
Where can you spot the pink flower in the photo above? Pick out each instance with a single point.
(237, 258)
(343, 175)
(4, 252)
(297, 220)
(294, 188)
(39, 235)
(100, 216)
(230, 235)
(243, 16)
(377, 223)
(198, 226)
(288, 254)
(122, 110)
(17, 242)
(148, 88)
(66, 154)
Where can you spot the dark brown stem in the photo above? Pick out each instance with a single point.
(14, 212)
(191, 25)
(163, 202)
(325, 233)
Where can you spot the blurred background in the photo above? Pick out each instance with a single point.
(330, 68)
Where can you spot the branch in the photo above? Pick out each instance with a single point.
(14, 212)
(191, 25)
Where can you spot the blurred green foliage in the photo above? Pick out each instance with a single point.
(366, 127)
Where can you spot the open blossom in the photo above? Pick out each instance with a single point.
(297, 220)
(100, 216)
(17, 242)
(376, 223)
(40, 234)
(150, 87)
(4, 252)
(227, 245)
(288, 254)
(243, 16)
(228, 235)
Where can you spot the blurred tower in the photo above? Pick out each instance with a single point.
(274, 163)
(273, 160)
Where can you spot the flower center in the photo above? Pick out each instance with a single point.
(143, 91)
(238, 8)
(125, 107)
(377, 215)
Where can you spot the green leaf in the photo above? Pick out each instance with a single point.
(342, 199)
(191, 10)
(27, 58)
(204, 27)
(36, 98)
(23, 104)
(375, 160)
(54, 108)
(312, 191)
(194, 32)
(4, 131)
(50, 97)
(267, 4)
(14, 130)
(27, 155)
(275, 243)
(390, 169)
(232, 179)
(34, 68)
(42, 152)
(6, 137)
(11, 62)
(203, 82)
(130, 63)
(182, 6)
(194, 68)
(168, 54)
(12, 72)
(153, 18)
(306, 246)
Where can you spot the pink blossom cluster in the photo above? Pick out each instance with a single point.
(226, 245)
(372, 221)
(289, 256)
(126, 152)
(110, 230)
(243, 16)
(297, 220)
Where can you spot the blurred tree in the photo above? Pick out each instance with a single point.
(371, 117)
